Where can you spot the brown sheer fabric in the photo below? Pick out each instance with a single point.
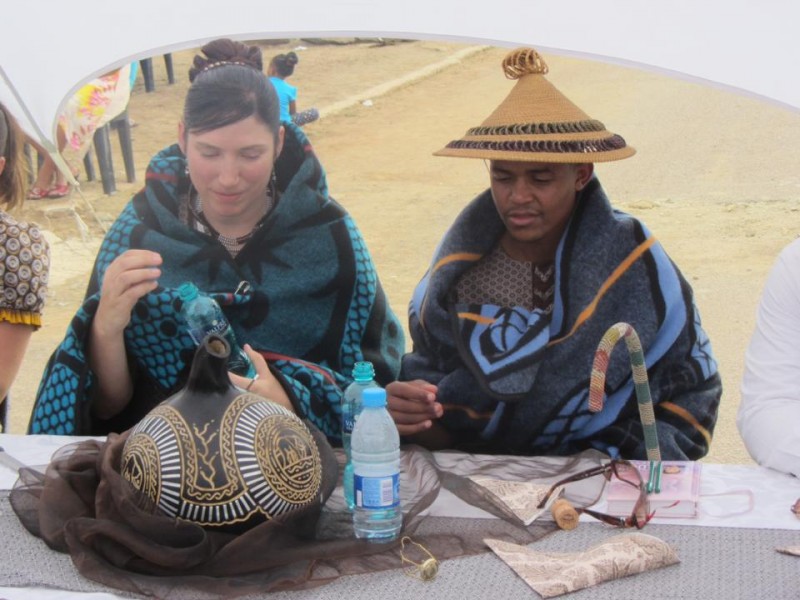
(81, 505)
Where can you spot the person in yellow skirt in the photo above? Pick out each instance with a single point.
(24, 261)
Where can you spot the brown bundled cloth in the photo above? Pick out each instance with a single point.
(81, 505)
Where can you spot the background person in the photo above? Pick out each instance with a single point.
(50, 182)
(24, 261)
(281, 67)
(524, 285)
(90, 108)
(769, 413)
(240, 207)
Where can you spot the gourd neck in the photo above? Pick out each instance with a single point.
(209, 371)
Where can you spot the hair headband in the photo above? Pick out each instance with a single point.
(221, 63)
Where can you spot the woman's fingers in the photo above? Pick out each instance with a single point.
(137, 259)
(130, 269)
(130, 276)
(265, 383)
(258, 360)
(238, 380)
(132, 287)
(127, 273)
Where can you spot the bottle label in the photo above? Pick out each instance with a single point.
(377, 492)
(216, 326)
(348, 422)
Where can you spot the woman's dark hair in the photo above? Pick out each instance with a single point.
(284, 63)
(14, 178)
(228, 85)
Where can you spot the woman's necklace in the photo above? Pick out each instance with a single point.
(232, 244)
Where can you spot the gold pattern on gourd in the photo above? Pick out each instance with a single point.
(219, 457)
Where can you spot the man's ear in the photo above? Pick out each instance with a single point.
(182, 137)
(583, 174)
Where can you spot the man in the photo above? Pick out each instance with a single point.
(524, 285)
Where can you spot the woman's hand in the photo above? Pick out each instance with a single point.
(130, 276)
(265, 384)
(413, 405)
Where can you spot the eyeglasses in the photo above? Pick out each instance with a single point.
(641, 509)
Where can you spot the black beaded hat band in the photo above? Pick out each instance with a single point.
(537, 123)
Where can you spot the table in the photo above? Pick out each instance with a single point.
(722, 555)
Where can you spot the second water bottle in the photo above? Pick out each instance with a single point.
(375, 446)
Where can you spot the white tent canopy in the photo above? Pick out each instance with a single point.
(49, 48)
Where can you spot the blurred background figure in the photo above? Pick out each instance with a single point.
(24, 261)
(281, 67)
(90, 108)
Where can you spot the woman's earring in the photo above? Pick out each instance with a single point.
(272, 186)
(186, 170)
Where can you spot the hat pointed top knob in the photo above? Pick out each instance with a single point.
(524, 61)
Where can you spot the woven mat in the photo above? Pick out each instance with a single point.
(715, 563)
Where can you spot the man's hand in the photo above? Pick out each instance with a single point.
(413, 405)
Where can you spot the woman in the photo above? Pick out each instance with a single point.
(24, 261)
(240, 207)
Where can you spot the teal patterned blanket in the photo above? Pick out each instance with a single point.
(314, 304)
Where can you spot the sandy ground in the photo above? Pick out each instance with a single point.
(715, 177)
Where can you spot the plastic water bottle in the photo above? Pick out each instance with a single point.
(203, 316)
(363, 378)
(375, 446)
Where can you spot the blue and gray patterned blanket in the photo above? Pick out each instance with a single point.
(517, 381)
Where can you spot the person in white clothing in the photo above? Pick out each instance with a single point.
(769, 414)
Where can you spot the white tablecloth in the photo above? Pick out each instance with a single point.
(732, 496)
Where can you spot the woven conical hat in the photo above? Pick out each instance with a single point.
(537, 123)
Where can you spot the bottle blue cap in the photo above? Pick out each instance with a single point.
(374, 397)
(188, 291)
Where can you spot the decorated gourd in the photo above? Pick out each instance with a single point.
(220, 457)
